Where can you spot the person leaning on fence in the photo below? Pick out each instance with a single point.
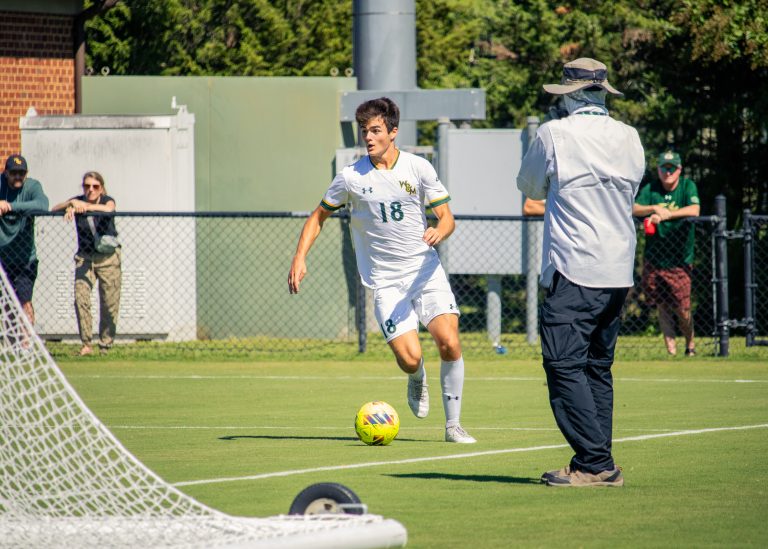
(98, 259)
(669, 244)
(20, 195)
(385, 192)
(588, 167)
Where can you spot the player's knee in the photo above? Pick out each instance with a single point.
(449, 348)
(409, 363)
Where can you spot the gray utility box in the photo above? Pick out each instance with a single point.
(148, 166)
(481, 173)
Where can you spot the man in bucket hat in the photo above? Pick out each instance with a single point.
(588, 167)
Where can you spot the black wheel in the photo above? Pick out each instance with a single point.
(326, 498)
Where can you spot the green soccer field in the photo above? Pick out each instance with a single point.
(245, 438)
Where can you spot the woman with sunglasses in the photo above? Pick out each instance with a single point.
(98, 259)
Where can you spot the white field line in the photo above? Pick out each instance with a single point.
(460, 456)
(326, 428)
(677, 380)
(400, 377)
(314, 428)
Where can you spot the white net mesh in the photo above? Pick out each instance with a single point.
(65, 481)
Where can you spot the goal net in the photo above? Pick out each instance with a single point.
(66, 481)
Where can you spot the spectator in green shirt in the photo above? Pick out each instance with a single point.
(19, 196)
(668, 258)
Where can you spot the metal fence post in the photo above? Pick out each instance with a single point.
(355, 288)
(721, 275)
(360, 317)
(531, 237)
(493, 312)
(443, 125)
(749, 283)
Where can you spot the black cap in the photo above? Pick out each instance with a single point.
(16, 163)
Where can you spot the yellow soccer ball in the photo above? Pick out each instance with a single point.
(377, 423)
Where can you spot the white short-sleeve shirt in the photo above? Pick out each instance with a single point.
(388, 217)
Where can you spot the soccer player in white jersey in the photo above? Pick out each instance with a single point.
(386, 193)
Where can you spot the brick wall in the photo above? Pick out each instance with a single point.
(37, 69)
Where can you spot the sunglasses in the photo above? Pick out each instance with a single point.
(87, 186)
(17, 173)
(668, 169)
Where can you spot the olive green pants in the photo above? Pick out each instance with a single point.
(107, 270)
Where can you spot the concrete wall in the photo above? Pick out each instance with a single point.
(261, 144)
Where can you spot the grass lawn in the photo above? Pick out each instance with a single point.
(246, 437)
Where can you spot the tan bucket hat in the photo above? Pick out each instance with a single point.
(582, 73)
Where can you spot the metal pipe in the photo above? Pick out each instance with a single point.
(749, 285)
(721, 275)
(493, 312)
(361, 316)
(384, 51)
(79, 39)
(443, 125)
(532, 235)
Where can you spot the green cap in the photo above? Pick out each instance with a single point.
(670, 157)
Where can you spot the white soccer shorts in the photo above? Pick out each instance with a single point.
(401, 307)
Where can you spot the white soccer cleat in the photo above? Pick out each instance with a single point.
(418, 396)
(455, 433)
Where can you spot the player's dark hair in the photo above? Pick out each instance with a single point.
(383, 107)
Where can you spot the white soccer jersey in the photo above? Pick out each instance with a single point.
(388, 218)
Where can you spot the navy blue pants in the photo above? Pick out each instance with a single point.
(579, 328)
(22, 278)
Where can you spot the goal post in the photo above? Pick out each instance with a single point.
(66, 481)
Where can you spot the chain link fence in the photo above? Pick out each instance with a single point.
(197, 283)
(759, 283)
(751, 244)
(674, 278)
(519, 294)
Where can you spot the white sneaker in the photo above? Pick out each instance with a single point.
(418, 397)
(455, 433)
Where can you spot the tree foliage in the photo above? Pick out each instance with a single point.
(223, 37)
(693, 71)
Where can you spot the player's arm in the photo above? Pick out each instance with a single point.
(661, 213)
(445, 225)
(692, 210)
(36, 199)
(534, 207)
(309, 233)
(108, 207)
(68, 207)
(61, 205)
(76, 206)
